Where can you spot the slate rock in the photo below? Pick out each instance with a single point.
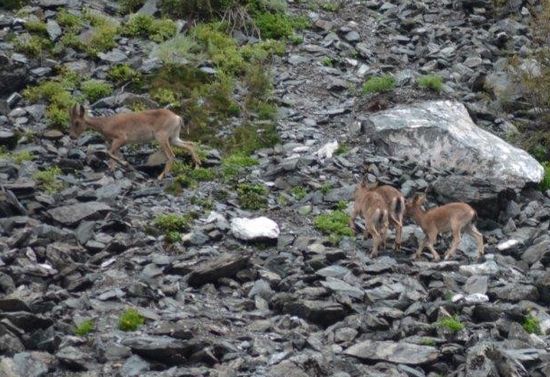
(394, 352)
(224, 266)
(71, 215)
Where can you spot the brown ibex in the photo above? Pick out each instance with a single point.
(143, 127)
(372, 207)
(452, 217)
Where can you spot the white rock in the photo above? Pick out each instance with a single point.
(476, 298)
(249, 229)
(327, 150)
(505, 245)
(488, 268)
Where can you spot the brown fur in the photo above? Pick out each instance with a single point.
(135, 128)
(371, 206)
(452, 217)
(395, 204)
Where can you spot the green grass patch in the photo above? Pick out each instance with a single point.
(172, 225)
(17, 157)
(84, 328)
(48, 179)
(164, 96)
(123, 73)
(130, 6)
(432, 82)
(96, 89)
(380, 84)
(36, 26)
(279, 25)
(299, 192)
(531, 324)
(69, 21)
(334, 224)
(146, 26)
(13, 4)
(130, 320)
(252, 196)
(452, 324)
(32, 45)
(235, 163)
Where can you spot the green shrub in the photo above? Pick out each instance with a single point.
(278, 25)
(48, 179)
(299, 192)
(96, 89)
(164, 96)
(379, 84)
(327, 61)
(130, 6)
(433, 82)
(202, 174)
(236, 162)
(326, 187)
(84, 328)
(531, 324)
(146, 26)
(35, 26)
(263, 50)
(123, 73)
(177, 49)
(545, 184)
(130, 320)
(333, 223)
(452, 324)
(220, 47)
(32, 45)
(172, 225)
(69, 21)
(252, 196)
(103, 34)
(251, 136)
(342, 149)
(17, 157)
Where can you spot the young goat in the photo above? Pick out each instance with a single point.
(135, 128)
(454, 217)
(395, 204)
(372, 207)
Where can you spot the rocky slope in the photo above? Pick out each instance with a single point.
(217, 305)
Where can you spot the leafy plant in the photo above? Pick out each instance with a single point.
(70, 21)
(146, 26)
(32, 45)
(452, 324)
(48, 179)
(433, 82)
(172, 225)
(236, 162)
(252, 196)
(96, 89)
(84, 328)
(334, 224)
(379, 84)
(279, 25)
(130, 320)
(299, 192)
(122, 73)
(531, 324)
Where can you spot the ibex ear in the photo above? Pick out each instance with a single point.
(82, 111)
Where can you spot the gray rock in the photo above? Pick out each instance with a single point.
(75, 358)
(113, 56)
(54, 30)
(27, 364)
(476, 284)
(324, 313)
(221, 267)
(13, 75)
(8, 139)
(134, 366)
(441, 134)
(73, 214)
(342, 287)
(402, 353)
(536, 252)
(150, 7)
(161, 348)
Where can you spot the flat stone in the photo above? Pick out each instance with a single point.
(402, 353)
(73, 214)
(223, 266)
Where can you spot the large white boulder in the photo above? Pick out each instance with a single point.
(441, 134)
(257, 228)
